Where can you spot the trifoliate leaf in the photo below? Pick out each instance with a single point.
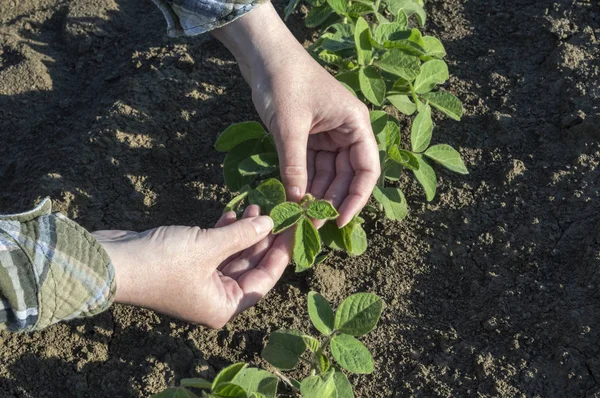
(426, 177)
(254, 380)
(317, 15)
(339, 6)
(351, 354)
(392, 138)
(358, 314)
(434, 47)
(422, 127)
(229, 390)
(322, 210)
(228, 374)
(446, 103)
(196, 383)
(362, 39)
(234, 203)
(379, 121)
(284, 349)
(318, 386)
(351, 79)
(402, 103)
(259, 165)
(447, 157)
(233, 178)
(238, 133)
(320, 313)
(371, 85)
(403, 157)
(398, 63)
(307, 245)
(342, 385)
(311, 343)
(285, 215)
(393, 202)
(267, 195)
(433, 72)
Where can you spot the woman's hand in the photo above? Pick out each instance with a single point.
(203, 276)
(323, 134)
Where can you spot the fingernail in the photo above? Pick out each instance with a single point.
(294, 192)
(262, 224)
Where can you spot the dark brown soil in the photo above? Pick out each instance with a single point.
(493, 289)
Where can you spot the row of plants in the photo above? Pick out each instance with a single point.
(290, 349)
(376, 50)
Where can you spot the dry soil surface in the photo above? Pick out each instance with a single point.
(491, 289)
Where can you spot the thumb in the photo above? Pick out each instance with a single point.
(291, 148)
(241, 234)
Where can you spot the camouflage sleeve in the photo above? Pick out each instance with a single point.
(193, 17)
(51, 270)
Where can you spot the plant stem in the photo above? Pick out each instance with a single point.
(377, 3)
(414, 95)
(285, 379)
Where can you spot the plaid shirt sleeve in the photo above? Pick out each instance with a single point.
(193, 17)
(51, 270)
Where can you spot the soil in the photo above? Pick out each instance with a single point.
(492, 289)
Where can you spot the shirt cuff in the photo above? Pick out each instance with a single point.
(194, 17)
(51, 270)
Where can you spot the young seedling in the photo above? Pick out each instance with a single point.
(235, 381)
(356, 316)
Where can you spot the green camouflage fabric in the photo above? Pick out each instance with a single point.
(194, 17)
(51, 270)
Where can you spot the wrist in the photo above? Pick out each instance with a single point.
(259, 41)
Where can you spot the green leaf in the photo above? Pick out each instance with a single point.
(358, 314)
(332, 236)
(318, 386)
(228, 374)
(175, 393)
(284, 349)
(387, 31)
(342, 385)
(234, 203)
(254, 380)
(402, 103)
(393, 202)
(410, 7)
(238, 133)
(259, 164)
(446, 103)
(351, 79)
(311, 343)
(404, 158)
(358, 238)
(285, 215)
(324, 363)
(320, 313)
(433, 72)
(317, 15)
(402, 19)
(422, 127)
(379, 121)
(447, 157)
(289, 8)
(362, 39)
(256, 395)
(434, 47)
(229, 390)
(337, 44)
(396, 62)
(307, 245)
(339, 6)
(356, 9)
(426, 177)
(234, 180)
(351, 354)
(322, 210)
(392, 137)
(196, 383)
(371, 85)
(267, 195)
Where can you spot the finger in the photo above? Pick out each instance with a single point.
(248, 259)
(291, 146)
(310, 167)
(343, 177)
(366, 173)
(226, 219)
(258, 281)
(324, 173)
(240, 235)
(252, 211)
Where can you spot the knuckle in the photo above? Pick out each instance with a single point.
(292, 171)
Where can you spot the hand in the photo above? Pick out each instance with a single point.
(323, 134)
(203, 276)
